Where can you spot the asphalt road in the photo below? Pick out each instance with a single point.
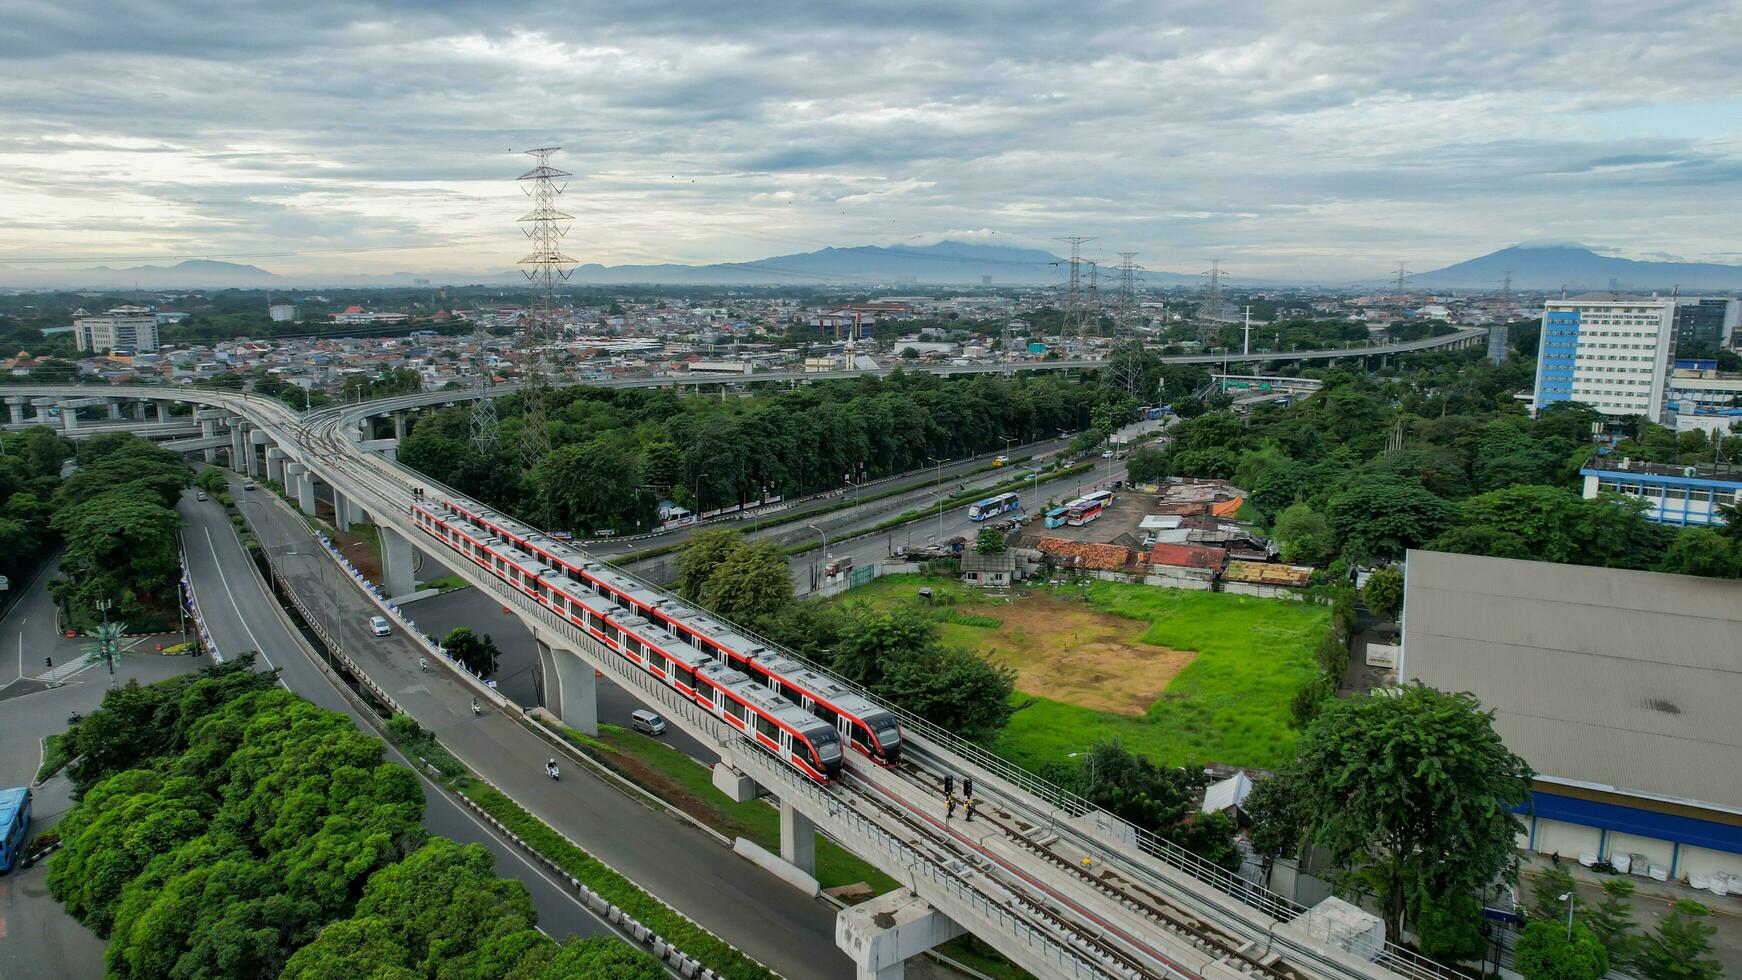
(685, 867)
(514, 670)
(807, 568)
(950, 473)
(240, 617)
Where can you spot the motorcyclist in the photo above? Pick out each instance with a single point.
(423, 663)
(475, 709)
(550, 768)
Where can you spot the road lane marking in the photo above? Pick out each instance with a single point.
(234, 604)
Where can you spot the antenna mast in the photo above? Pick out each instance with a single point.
(546, 265)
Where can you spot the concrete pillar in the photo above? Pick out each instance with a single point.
(16, 404)
(395, 560)
(237, 439)
(798, 839)
(275, 466)
(139, 410)
(115, 410)
(163, 411)
(571, 689)
(256, 438)
(302, 486)
(399, 426)
(208, 429)
(341, 510)
(881, 935)
(69, 418)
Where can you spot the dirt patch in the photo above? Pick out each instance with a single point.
(1067, 652)
(360, 552)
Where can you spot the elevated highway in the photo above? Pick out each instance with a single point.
(1060, 888)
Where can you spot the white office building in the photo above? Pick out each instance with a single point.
(1609, 351)
(282, 312)
(116, 330)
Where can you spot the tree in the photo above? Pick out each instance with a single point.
(478, 653)
(1680, 948)
(1546, 891)
(699, 558)
(752, 582)
(1394, 787)
(1278, 827)
(1160, 799)
(1488, 541)
(590, 485)
(1701, 551)
(1384, 517)
(105, 645)
(1612, 920)
(1303, 534)
(1383, 592)
(1545, 953)
(1207, 464)
(1146, 465)
(990, 541)
(900, 658)
(1450, 928)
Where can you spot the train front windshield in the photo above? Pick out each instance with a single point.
(888, 735)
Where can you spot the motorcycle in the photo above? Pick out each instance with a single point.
(550, 770)
(475, 709)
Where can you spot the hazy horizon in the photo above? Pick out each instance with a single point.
(324, 139)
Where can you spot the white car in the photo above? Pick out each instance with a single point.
(1107, 455)
(378, 625)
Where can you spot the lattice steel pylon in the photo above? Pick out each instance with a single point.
(1125, 361)
(1212, 303)
(1075, 306)
(546, 265)
(485, 430)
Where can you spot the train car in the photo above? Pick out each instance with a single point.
(791, 733)
(875, 731)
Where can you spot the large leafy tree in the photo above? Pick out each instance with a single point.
(1545, 953)
(751, 583)
(1411, 794)
(704, 553)
(478, 653)
(1160, 799)
(1383, 517)
(901, 659)
(592, 484)
(1681, 947)
(1304, 534)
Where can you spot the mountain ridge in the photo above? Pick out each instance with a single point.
(1539, 267)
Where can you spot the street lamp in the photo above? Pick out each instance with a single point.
(940, 506)
(939, 483)
(1568, 898)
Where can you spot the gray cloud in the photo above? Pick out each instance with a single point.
(1282, 140)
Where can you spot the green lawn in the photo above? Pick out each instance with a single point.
(755, 821)
(1229, 705)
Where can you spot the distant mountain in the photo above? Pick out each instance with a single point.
(193, 273)
(945, 263)
(1576, 268)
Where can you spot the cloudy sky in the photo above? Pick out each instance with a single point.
(1287, 139)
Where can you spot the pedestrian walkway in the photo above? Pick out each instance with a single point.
(66, 670)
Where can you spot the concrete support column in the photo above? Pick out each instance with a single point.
(238, 440)
(881, 935)
(163, 411)
(256, 438)
(115, 410)
(798, 839)
(341, 510)
(209, 429)
(17, 406)
(395, 560)
(69, 418)
(399, 426)
(305, 490)
(571, 689)
(275, 467)
(139, 410)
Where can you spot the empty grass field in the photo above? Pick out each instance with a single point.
(1181, 676)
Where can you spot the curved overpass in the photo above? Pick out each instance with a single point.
(1149, 910)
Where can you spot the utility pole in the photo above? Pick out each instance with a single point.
(1246, 342)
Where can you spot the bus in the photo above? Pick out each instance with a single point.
(14, 824)
(1056, 516)
(1004, 503)
(1088, 508)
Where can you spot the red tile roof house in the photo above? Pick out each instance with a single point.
(1184, 566)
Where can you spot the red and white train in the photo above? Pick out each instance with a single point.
(791, 711)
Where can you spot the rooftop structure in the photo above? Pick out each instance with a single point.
(1672, 494)
(1618, 687)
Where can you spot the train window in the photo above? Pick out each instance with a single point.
(735, 709)
(612, 633)
(686, 677)
(633, 645)
(767, 727)
(593, 619)
(657, 661)
(825, 712)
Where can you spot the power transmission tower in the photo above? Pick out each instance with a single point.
(484, 427)
(1073, 312)
(1402, 274)
(546, 265)
(1506, 289)
(1092, 300)
(1125, 360)
(1212, 303)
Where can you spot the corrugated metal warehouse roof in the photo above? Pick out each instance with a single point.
(1623, 679)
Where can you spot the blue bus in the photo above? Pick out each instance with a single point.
(1056, 516)
(14, 824)
(1004, 503)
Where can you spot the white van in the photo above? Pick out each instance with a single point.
(646, 722)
